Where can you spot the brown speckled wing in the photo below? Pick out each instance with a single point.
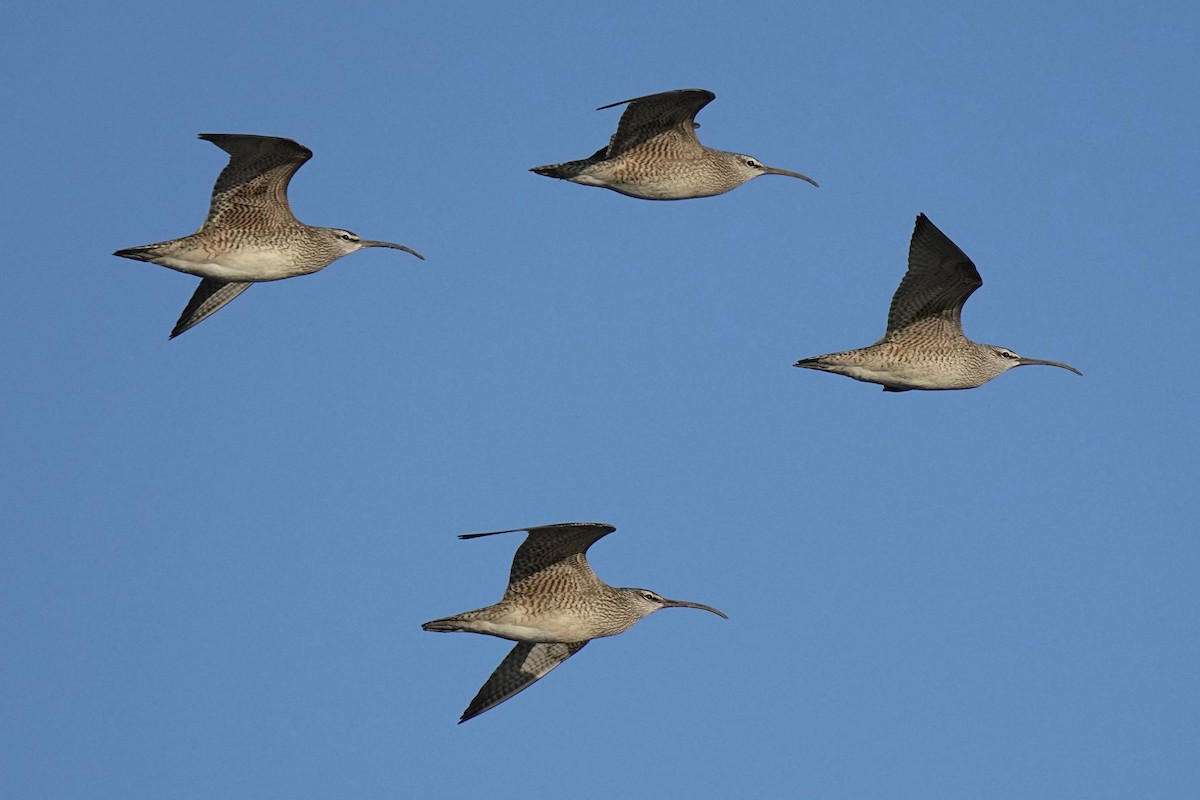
(522, 667)
(252, 189)
(553, 556)
(209, 298)
(939, 280)
(655, 114)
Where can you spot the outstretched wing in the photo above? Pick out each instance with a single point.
(939, 280)
(252, 189)
(655, 114)
(209, 298)
(523, 666)
(552, 557)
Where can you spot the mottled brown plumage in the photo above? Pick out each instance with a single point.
(250, 234)
(655, 155)
(553, 606)
(924, 346)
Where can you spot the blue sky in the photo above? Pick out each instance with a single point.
(219, 549)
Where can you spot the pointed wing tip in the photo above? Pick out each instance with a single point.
(182, 326)
(705, 93)
(300, 152)
(603, 525)
(922, 223)
(489, 533)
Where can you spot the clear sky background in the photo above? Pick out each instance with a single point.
(217, 551)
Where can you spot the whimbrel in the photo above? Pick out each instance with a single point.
(924, 347)
(655, 154)
(251, 234)
(553, 606)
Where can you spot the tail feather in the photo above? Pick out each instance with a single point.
(565, 170)
(142, 253)
(569, 169)
(443, 625)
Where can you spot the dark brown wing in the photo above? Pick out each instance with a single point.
(553, 555)
(252, 189)
(939, 280)
(656, 114)
(521, 668)
(209, 298)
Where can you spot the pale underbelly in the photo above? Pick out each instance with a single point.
(257, 264)
(536, 629)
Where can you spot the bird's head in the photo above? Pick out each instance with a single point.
(646, 602)
(748, 167)
(1000, 360)
(348, 242)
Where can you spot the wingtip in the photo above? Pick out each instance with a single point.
(470, 714)
(708, 95)
(181, 327)
(490, 533)
(608, 527)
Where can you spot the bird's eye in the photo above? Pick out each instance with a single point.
(650, 596)
(347, 237)
(750, 162)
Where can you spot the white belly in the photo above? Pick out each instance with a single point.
(243, 264)
(543, 628)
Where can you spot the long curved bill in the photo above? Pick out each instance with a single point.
(371, 243)
(686, 604)
(790, 174)
(1023, 362)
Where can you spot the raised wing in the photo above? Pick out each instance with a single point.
(939, 280)
(522, 667)
(553, 556)
(252, 189)
(656, 114)
(209, 298)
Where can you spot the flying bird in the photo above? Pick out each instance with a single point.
(250, 234)
(655, 154)
(553, 606)
(924, 347)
